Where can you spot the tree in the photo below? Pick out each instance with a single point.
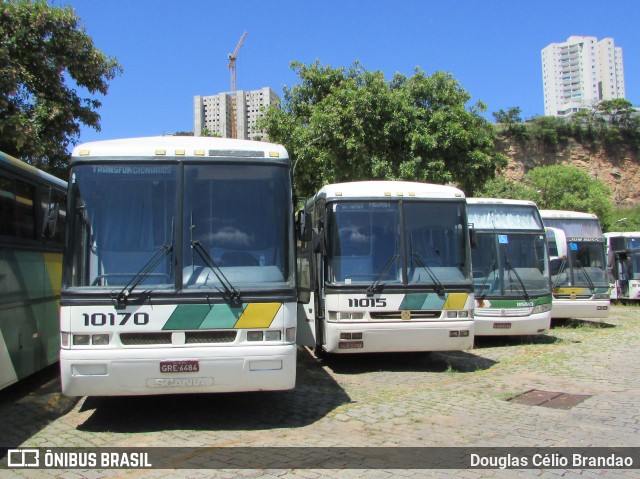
(618, 111)
(511, 120)
(557, 187)
(562, 187)
(43, 49)
(349, 124)
(501, 187)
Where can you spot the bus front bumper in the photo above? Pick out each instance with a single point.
(513, 326)
(125, 372)
(587, 308)
(406, 336)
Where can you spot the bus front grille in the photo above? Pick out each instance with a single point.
(190, 337)
(397, 315)
(200, 337)
(143, 339)
(569, 296)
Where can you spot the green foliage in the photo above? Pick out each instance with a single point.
(625, 219)
(349, 124)
(611, 124)
(43, 48)
(511, 120)
(557, 187)
(501, 187)
(569, 188)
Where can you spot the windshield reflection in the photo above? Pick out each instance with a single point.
(365, 243)
(510, 264)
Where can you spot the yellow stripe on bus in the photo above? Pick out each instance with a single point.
(258, 315)
(456, 301)
(53, 265)
(570, 290)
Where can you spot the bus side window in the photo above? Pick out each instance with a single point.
(25, 212)
(7, 208)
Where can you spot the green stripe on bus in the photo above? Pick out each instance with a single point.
(518, 303)
(203, 316)
(420, 301)
(187, 316)
(222, 316)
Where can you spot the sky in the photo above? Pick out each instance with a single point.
(173, 50)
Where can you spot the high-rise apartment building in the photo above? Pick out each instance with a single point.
(215, 113)
(579, 73)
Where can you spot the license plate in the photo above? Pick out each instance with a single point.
(501, 325)
(179, 366)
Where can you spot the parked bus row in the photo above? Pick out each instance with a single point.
(180, 267)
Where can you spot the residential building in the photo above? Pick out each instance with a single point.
(579, 73)
(215, 113)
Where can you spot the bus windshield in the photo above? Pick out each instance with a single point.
(513, 264)
(239, 216)
(123, 214)
(585, 266)
(365, 242)
(127, 219)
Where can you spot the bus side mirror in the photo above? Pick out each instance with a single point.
(50, 223)
(557, 241)
(303, 226)
(318, 241)
(473, 238)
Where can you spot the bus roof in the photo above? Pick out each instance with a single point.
(388, 189)
(559, 214)
(499, 201)
(29, 170)
(179, 146)
(625, 234)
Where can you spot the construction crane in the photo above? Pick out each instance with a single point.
(232, 68)
(232, 61)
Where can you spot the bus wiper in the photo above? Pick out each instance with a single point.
(511, 268)
(438, 285)
(140, 276)
(563, 265)
(373, 288)
(230, 293)
(587, 277)
(486, 279)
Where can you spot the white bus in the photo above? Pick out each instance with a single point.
(510, 268)
(388, 269)
(179, 275)
(578, 264)
(623, 256)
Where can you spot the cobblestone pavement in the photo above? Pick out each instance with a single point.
(438, 399)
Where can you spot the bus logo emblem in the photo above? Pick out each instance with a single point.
(405, 315)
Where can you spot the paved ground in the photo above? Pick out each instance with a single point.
(452, 399)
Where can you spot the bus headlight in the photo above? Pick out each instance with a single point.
(541, 308)
(100, 339)
(457, 314)
(254, 335)
(272, 335)
(81, 339)
(64, 340)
